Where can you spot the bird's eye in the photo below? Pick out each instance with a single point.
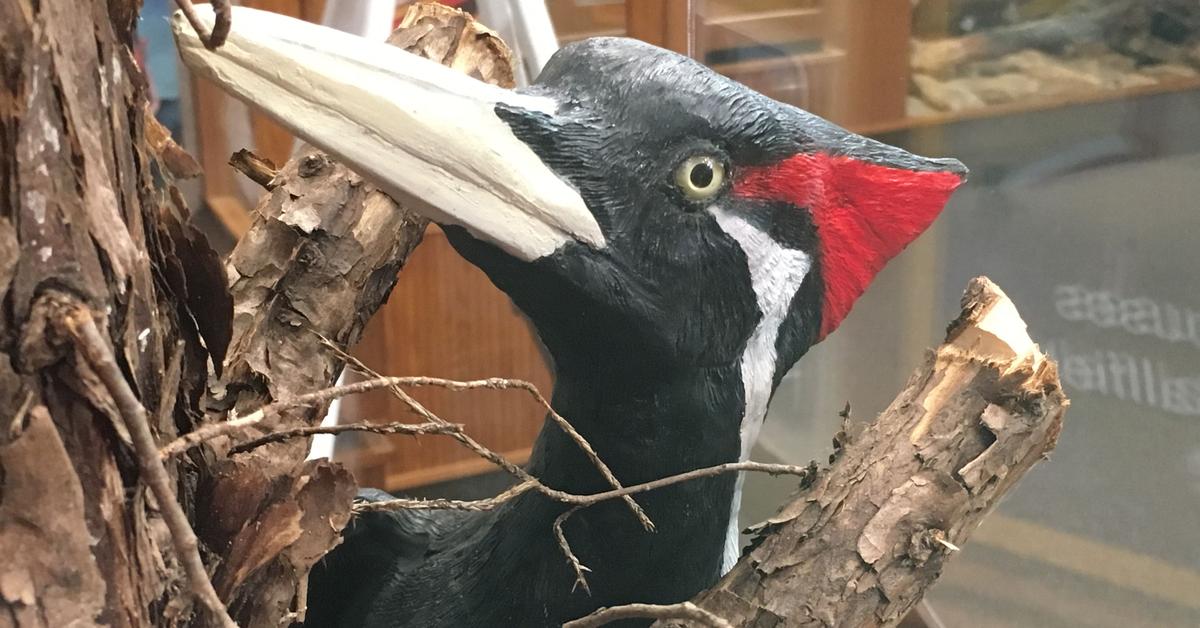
(700, 177)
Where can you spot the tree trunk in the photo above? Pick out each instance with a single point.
(83, 228)
(89, 231)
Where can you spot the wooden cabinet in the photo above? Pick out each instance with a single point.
(845, 60)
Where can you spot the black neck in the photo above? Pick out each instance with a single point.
(645, 424)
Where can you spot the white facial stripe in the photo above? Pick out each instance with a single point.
(424, 133)
(776, 273)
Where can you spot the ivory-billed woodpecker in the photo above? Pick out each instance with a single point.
(678, 241)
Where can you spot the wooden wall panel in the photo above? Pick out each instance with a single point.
(574, 20)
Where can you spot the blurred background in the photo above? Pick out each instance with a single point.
(1080, 121)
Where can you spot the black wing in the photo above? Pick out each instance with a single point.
(343, 584)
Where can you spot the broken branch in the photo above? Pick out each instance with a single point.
(258, 169)
(861, 544)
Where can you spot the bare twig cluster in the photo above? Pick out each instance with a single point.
(433, 424)
(501, 384)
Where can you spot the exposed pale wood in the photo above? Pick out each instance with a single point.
(860, 544)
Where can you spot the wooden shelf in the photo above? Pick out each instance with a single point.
(1031, 106)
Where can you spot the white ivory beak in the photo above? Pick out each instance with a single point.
(425, 134)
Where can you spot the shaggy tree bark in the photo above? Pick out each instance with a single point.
(859, 544)
(86, 234)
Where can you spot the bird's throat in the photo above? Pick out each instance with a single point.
(645, 427)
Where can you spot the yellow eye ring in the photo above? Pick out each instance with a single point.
(700, 177)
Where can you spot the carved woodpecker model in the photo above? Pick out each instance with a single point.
(678, 241)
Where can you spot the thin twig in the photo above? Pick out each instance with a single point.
(222, 24)
(683, 610)
(224, 19)
(375, 428)
(528, 482)
(474, 505)
(258, 169)
(595, 498)
(504, 384)
(209, 432)
(580, 579)
(493, 383)
(579, 501)
(18, 421)
(94, 348)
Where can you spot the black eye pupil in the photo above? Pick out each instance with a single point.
(701, 175)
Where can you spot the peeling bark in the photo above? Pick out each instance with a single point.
(859, 544)
(80, 216)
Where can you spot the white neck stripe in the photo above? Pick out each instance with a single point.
(776, 273)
